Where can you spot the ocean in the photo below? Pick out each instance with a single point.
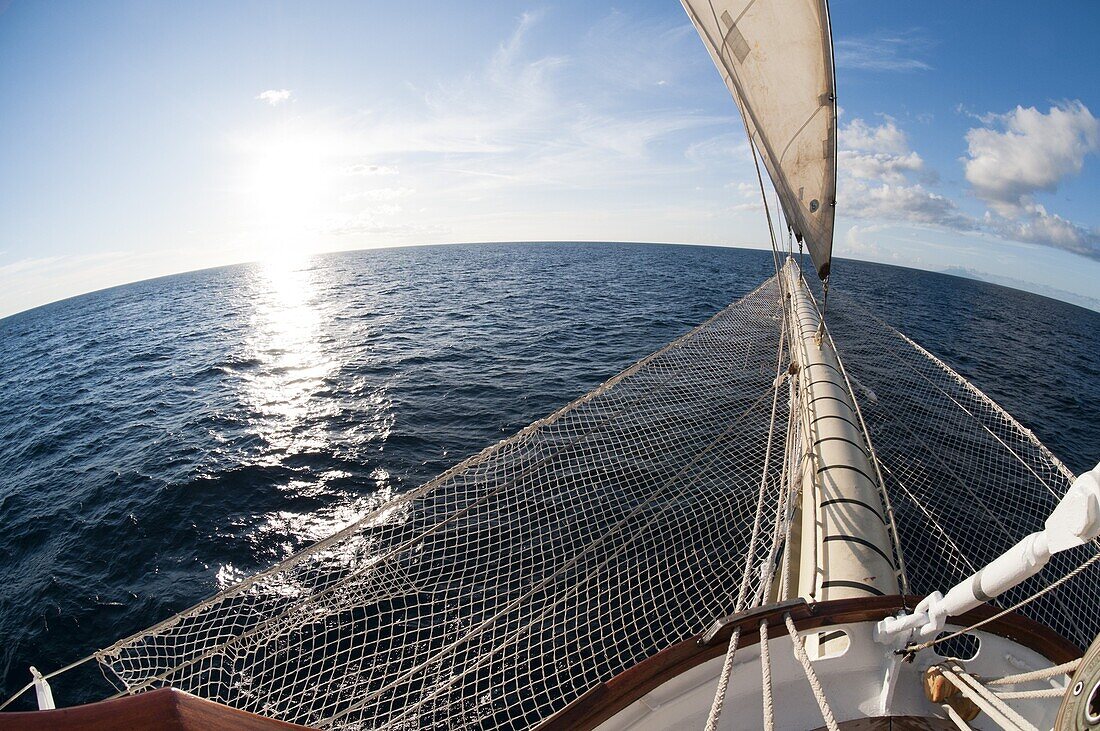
(160, 440)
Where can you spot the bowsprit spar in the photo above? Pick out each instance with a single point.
(740, 530)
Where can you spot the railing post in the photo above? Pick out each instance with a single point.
(42, 690)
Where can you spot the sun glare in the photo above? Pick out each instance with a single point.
(286, 187)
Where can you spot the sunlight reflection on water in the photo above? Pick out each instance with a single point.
(294, 409)
(286, 327)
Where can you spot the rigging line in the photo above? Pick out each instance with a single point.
(770, 563)
(956, 718)
(931, 519)
(997, 709)
(1065, 668)
(766, 677)
(885, 495)
(792, 464)
(992, 518)
(723, 683)
(811, 676)
(750, 552)
(1031, 694)
(781, 524)
(1053, 585)
(47, 676)
(985, 509)
(1000, 411)
(982, 424)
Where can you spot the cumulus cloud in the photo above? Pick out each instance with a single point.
(876, 165)
(880, 138)
(274, 97)
(1015, 156)
(1025, 151)
(911, 203)
(1032, 224)
(880, 166)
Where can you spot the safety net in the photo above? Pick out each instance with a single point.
(505, 588)
(501, 591)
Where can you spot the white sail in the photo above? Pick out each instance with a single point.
(776, 58)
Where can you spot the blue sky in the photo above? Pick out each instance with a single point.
(142, 138)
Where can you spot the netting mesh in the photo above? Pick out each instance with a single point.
(498, 593)
(501, 591)
(966, 480)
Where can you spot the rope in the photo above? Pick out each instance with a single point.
(811, 676)
(723, 683)
(1064, 669)
(997, 710)
(47, 676)
(750, 552)
(727, 666)
(1045, 590)
(956, 718)
(790, 467)
(1029, 694)
(766, 677)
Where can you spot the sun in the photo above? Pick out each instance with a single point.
(286, 186)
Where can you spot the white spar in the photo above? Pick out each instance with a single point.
(1074, 522)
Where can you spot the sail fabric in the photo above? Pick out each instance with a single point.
(776, 58)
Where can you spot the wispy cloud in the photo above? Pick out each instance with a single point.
(518, 122)
(378, 194)
(274, 97)
(365, 169)
(884, 51)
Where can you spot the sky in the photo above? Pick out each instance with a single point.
(139, 139)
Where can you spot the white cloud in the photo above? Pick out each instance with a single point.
(911, 203)
(379, 221)
(274, 97)
(1025, 151)
(627, 53)
(1016, 156)
(881, 138)
(378, 194)
(897, 52)
(880, 166)
(726, 147)
(1033, 225)
(364, 169)
(875, 168)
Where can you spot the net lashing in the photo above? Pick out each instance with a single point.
(501, 591)
(504, 589)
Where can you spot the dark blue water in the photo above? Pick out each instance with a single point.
(160, 440)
